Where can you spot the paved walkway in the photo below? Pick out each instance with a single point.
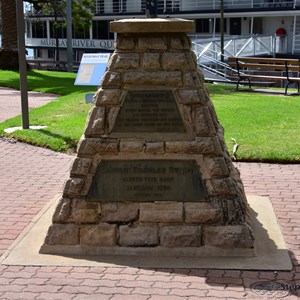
(10, 102)
(31, 176)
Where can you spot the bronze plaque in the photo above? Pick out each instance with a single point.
(147, 180)
(149, 111)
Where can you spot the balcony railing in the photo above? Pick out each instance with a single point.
(180, 6)
(208, 50)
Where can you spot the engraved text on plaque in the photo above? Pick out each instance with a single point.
(149, 111)
(147, 180)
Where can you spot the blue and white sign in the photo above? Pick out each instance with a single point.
(92, 68)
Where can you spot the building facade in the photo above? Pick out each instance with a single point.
(242, 18)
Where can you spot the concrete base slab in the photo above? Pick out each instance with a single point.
(270, 249)
(13, 129)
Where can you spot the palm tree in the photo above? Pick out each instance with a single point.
(9, 48)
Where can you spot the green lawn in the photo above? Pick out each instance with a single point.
(64, 117)
(266, 126)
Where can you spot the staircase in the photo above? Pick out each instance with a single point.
(208, 53)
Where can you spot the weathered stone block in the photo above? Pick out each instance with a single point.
(191, 80)
(191, 97)
(132, 145)
(81, 216)
(151, 61)
(160, 78)
(236, 211)
(95, 121)
(180, 42)
(238, 236)
(161, 212)
(85, 212)
(91, 146)
(73, 187)
(200, 122)
(152, 43)
(200, 76)
(111, 79)
(138, 236)
(192, 60)
(155, 148)
(112, 113)
(81, 203)
(208, 145)
(223, 186)
(102, 235)
(217, 145)
(175, 61)
(216, 166)
(180, 236)
(108, 97)
(125, 61)
(203, 146)
(187, 114)
(210, 122)
(187, 147)
(62, 211)
(203, 123)
(62, 234)
(81, 166)
(201, 213)
(119, 212)
(125, 43)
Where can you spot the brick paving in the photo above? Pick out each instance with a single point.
(31, 176)
(10, 102)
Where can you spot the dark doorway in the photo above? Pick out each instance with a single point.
(235, 26)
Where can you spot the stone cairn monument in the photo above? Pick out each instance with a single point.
(152, 173)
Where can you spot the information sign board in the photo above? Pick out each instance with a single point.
(92, 68)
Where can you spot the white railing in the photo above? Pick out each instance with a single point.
(296, 44)
(208, 50)
(174, 6)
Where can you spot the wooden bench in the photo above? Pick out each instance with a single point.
(248, 68)
(51, 65)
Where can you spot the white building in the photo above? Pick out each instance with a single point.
(242, 18)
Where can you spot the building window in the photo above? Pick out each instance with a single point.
(100, 6)
(116, 6)
(39, 30)
(81, 32)
(39, 53)
(172, 5)
(101, 30)
(59, 28)
(218, 23)
(51, 53)
(202, 25)
(257, 26)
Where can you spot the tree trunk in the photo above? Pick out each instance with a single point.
(9, 48)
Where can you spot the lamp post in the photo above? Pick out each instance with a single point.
(69, 37)
(222, 29)
(22, 64)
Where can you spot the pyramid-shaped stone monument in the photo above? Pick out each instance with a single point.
(152, 174)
